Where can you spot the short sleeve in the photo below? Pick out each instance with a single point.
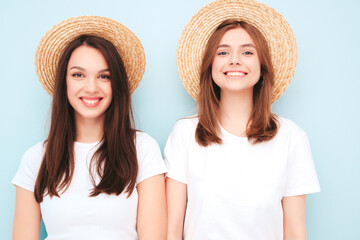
(301, 175)
(175, 152)
(29, 167)
(149, 157)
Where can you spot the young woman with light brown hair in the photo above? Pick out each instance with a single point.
(96, 176)
(237, 170)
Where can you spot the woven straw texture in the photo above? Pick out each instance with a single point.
(59, 36)
(270, 23)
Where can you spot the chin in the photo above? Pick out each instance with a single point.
(90, 116)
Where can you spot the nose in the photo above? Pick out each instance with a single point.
(91, 85)
(235, 59)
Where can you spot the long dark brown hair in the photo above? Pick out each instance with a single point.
(262, 125)
(115, 159)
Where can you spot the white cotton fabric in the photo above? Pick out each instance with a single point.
(75, 215)
(235, 189)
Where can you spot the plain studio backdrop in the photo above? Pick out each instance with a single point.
(323, 97)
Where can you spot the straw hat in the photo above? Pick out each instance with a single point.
(270, 23)
(59, 36)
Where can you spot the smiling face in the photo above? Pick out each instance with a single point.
(88, 84)
(236, 67)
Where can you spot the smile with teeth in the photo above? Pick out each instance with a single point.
(90, 102)
(235, 74)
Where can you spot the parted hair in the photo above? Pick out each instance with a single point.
(262, 125)
(116, 158)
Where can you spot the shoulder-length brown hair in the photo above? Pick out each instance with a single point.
(262, 125)
(115, 159)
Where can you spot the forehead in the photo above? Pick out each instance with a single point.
(236, 36)
(86, 56)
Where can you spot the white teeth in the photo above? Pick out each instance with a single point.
(88, 101)
(235, 74)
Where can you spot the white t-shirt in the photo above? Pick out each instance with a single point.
(235, 189)
(75, 215)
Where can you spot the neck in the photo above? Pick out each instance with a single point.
(234, 112)
(89, 130)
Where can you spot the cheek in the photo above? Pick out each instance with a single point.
(72, 90)
(216, 67)
(216, 64)
(258, 69)
(108, 90)
(69, 89)
(255, 67)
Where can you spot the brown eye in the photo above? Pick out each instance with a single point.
(104, 76)
(77, 75)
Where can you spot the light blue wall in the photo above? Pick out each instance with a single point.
(323, 97)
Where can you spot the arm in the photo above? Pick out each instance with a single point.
(27, 217)
(176, 197)
(151, 220)
(294, 217)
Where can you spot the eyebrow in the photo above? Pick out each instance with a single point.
(243, 45)
(83, 69)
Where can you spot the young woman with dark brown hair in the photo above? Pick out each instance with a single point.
(236, 170)
(96, 176)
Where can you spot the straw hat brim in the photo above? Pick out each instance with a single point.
(275, 29)
(53, 43)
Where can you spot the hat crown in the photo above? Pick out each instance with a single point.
(54, 42)
(271, 24)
